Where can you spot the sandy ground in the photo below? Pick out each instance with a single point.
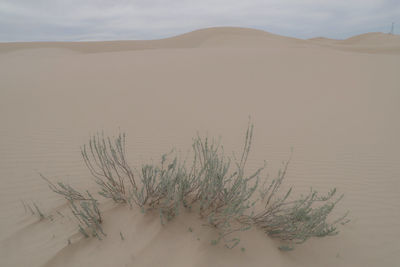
(336, 102)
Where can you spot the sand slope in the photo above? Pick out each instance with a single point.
(335, 102)
(375, 42)
(226, 36)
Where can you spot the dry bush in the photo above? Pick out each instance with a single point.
(213, 184)
(89, 217)
(84, 208)
(106, 161)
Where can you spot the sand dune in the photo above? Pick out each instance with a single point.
(226, 36)
(222, 36)
(336, 102)
(375, 42)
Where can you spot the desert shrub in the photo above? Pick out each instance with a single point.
(84, 208)
(64, 190)
(224, 195)
(88, 215)
(106, 161)
(215, 185)
(299, 219)
(160, 186)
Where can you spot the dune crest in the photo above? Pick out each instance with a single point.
(375, 43)
(217, 36)
(221, 37)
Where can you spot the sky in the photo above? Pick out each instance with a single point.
(89, 20)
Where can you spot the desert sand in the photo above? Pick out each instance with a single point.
(335, 102)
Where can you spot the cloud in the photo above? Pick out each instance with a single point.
(40, 20)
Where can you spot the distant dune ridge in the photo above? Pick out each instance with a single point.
(336, 102)
(375, 42)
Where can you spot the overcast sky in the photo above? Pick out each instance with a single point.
(79, 20)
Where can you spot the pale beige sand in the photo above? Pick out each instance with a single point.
(335, 102)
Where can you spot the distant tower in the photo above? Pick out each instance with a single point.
(392, 29)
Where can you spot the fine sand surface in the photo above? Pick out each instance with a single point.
(336, 102)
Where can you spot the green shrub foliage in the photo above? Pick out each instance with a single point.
(213, 184)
